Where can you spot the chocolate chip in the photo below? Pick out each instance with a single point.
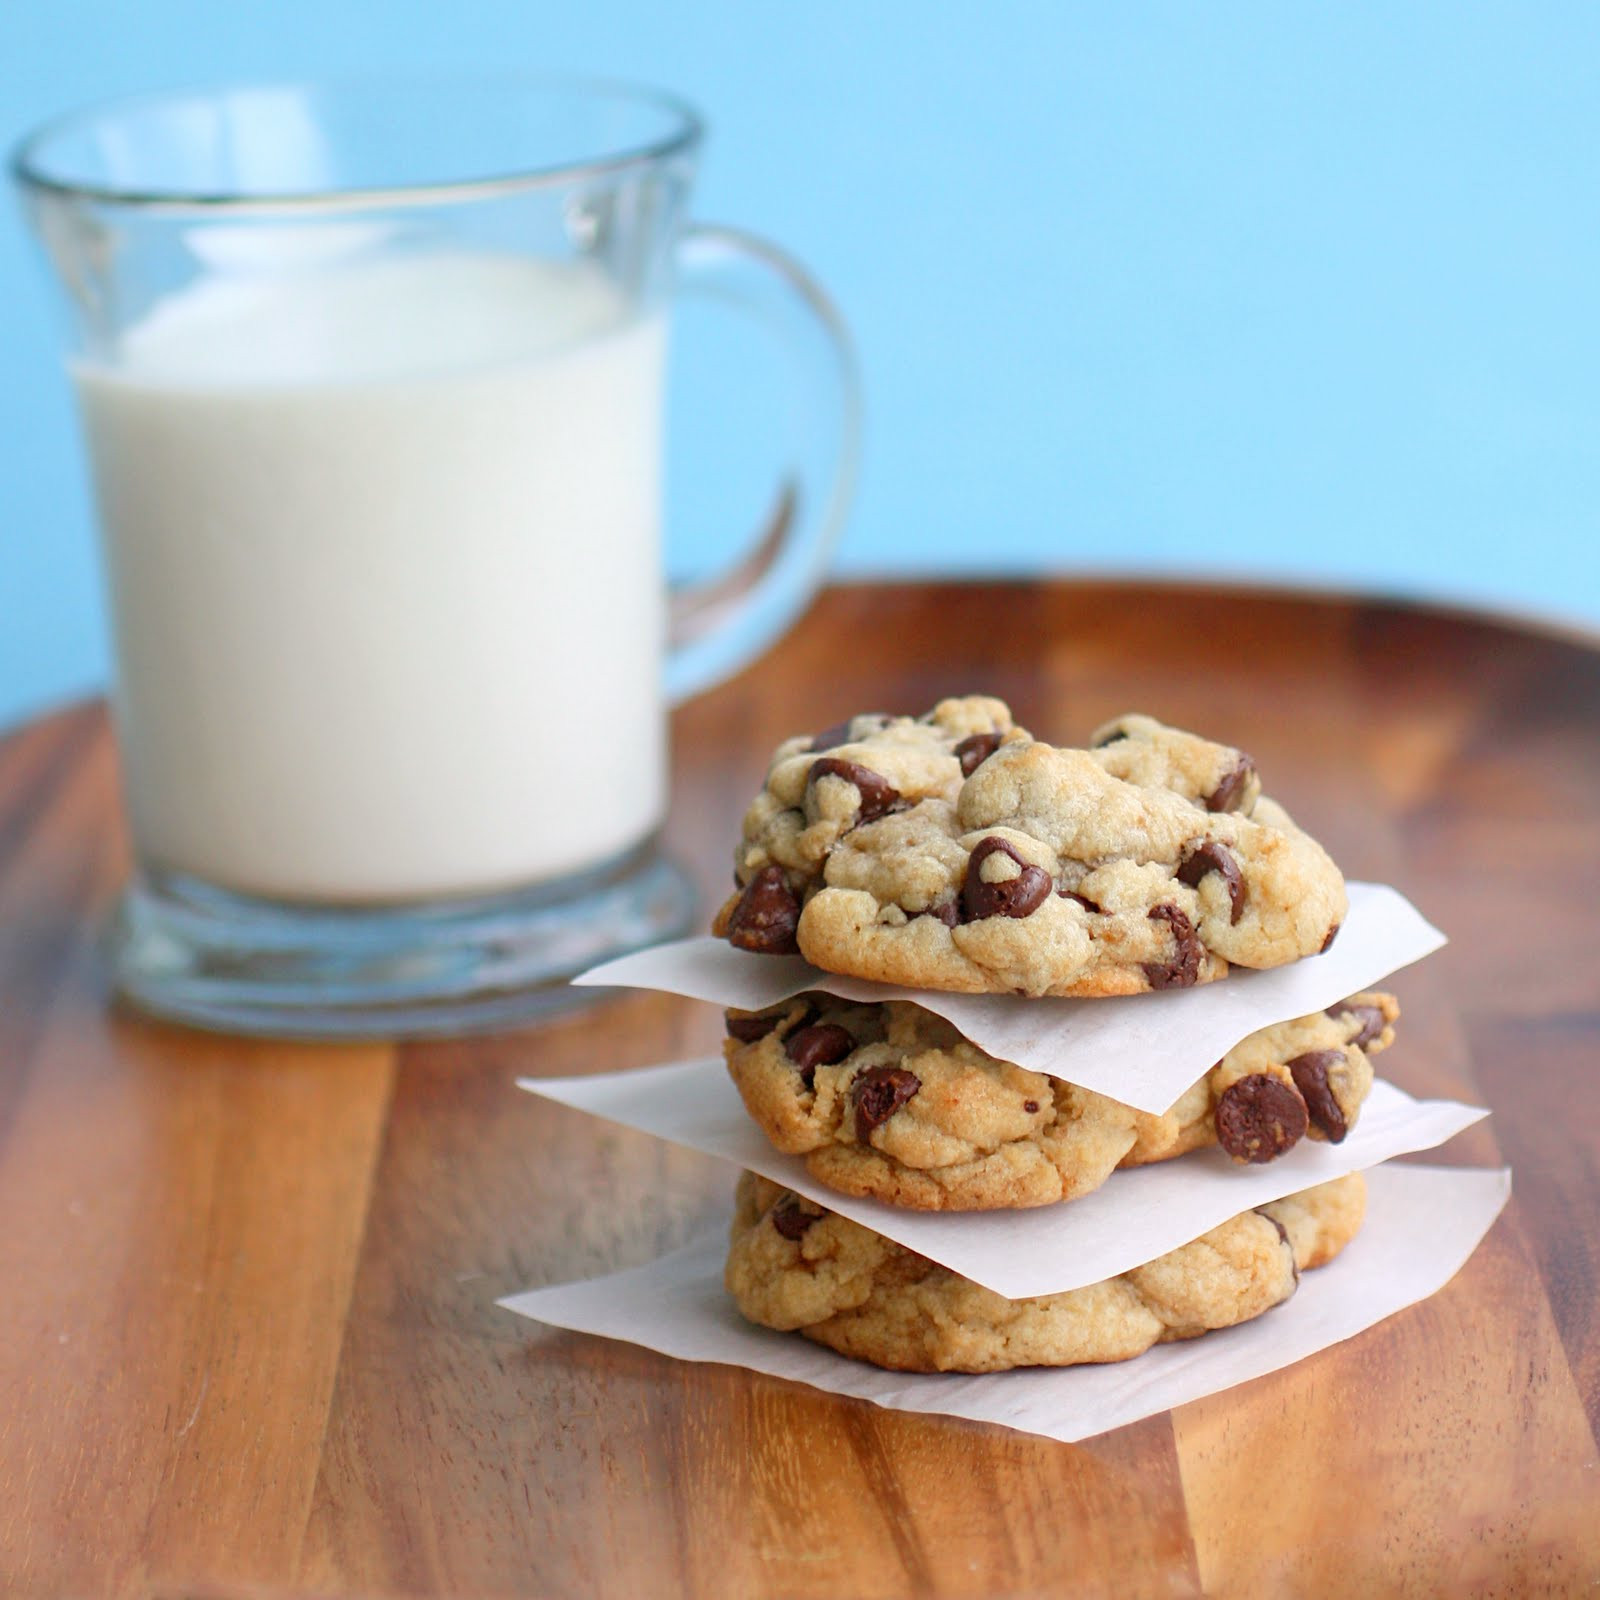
(1182, 971)
(766, 916)
(790, 1220)
(756, 1025)
(879, 1093)
(821, 1044)
(1115, 736)
(1235, 781)
(1283, 1234)
(1031, 1107)
(1210, 856)
(1020, 896)
(1310, 1074)
(1258, 1118)
(1327, 943)
(949, 913)
(975, 749)
(839, 733)
(831, 738)
(1082, 899)
(1371, 1018)
(877, 793)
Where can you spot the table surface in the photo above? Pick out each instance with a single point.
(250, 1344)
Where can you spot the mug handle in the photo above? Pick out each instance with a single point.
(719, 623)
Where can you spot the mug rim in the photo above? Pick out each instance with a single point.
(31, 171)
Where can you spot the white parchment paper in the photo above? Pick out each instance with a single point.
(1133, 1217)
(1143, 1050)
(1422, 1224)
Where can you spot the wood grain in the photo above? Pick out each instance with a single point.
(251, 1348)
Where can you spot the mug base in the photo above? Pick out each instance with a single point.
(186, 952)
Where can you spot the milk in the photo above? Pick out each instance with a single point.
(383, 547)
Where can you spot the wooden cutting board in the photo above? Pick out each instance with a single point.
(249, 1343)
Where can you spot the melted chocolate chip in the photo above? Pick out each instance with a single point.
(975, 749)
(1082, 899)
(758, 1024)
(880, 1092)
(839, 733)
(1115, 736)
(821, 1044)
(790, 1220)
(1310, 1074)
(1210, 856)
(877, 793)
(1020, 896)
(1283, 1234)
(1327, 943)
(1227, 794)
(748, 1029)
(1371, 1019)
(766, 916)
(949, 913)
(831, 738)
(1182, 971)
(1258, 1118)
(1031, 1107)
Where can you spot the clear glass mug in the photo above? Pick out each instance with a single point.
(371, 378)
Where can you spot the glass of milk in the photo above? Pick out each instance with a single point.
(371, 381)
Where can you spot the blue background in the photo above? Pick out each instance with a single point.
(1299, 293)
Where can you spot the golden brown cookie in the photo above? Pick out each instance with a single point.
(953, 852)
(889, 1101)
(795, 1267)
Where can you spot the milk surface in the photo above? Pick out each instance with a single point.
(383, 545)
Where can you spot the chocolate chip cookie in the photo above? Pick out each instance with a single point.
(820, 786)
(952, 851)
(888, 1101)
(795, 1267)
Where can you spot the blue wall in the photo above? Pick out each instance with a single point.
(1269, 289)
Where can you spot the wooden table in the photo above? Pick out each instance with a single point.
(249, 1344)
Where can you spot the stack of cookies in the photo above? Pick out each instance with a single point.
(953, 852)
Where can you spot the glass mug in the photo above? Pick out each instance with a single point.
(372, 384)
